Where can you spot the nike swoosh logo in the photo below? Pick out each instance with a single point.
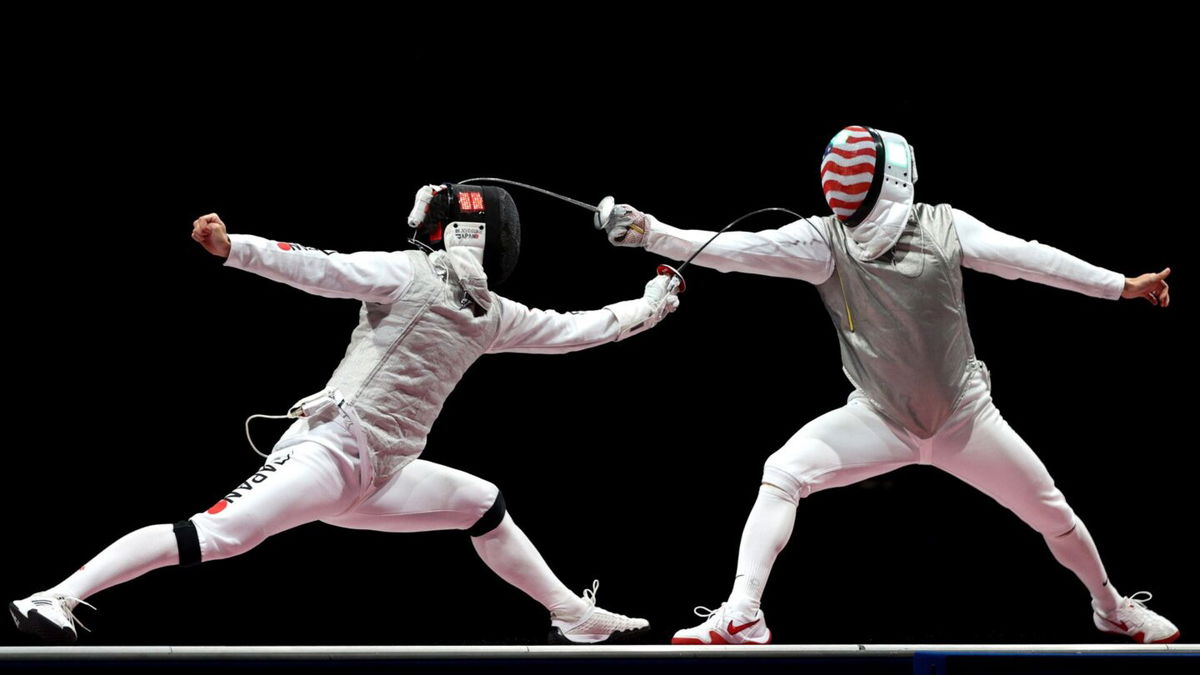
(1118, 624)
(734, 630)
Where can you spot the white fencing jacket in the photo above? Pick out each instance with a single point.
(900, 317)
(425, 318)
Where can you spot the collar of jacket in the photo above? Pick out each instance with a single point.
(467, 272)
(880, 231)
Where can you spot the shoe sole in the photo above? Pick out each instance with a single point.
(1138, 637)
(716, 638)
(36, 624)
(1167, 640)
(622, 636)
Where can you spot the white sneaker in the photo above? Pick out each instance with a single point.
(1132, 618)
(596, 625)
(48, 616)
(724, 628)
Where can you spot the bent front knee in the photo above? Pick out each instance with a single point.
(491, 518)
(783, 484)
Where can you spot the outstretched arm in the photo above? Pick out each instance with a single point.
(368, 276)
(994, 252)
(539, 331)
(794, 251)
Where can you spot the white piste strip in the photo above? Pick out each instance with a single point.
(309, 653)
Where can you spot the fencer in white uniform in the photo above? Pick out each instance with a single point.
(889, 272)
(351, 457)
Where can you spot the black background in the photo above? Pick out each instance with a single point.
(135, 356)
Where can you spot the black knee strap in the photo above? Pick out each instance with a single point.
(490, 520)
(188, 542)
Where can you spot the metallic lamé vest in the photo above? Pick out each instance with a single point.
(405, 358)
(910, 350)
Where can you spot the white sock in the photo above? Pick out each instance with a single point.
(127, 558)
(767, 531)
(510, 554)
(1077, 552)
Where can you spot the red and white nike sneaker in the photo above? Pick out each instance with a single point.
(724, 627)
(1132, 618)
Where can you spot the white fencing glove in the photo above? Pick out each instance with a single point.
(626, 226)
(661, 298)
(421, 204)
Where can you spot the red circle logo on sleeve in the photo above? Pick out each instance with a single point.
(218, 507)
(285, 246)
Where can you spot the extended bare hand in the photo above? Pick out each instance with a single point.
(210, 232)
(1152, 287)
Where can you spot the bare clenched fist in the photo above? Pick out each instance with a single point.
(210, 232)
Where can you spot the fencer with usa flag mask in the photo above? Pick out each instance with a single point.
(889, 272)
(351, 457)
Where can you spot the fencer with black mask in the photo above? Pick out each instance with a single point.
(889, 272)
(351, 457)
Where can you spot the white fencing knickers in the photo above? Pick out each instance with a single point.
(317, 476)
(856, 442)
